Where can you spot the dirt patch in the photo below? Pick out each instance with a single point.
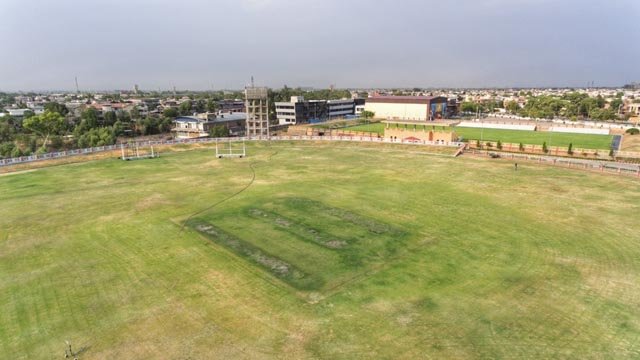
(372, 225)
(271, 263)
(151, 201)
(631, 143)
(17, 172)
(298, 229)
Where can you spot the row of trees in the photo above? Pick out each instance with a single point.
(572, 106)
(193, 106)
(56, 129)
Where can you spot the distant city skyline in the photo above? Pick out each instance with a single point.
(203, 45)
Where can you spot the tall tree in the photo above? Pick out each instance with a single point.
(170, 112)
(212, 105)
(110, 118)
(219, 131)
(56, 107)
(185, 108)
(90, 117)
(512, 107)
(46, 124)
(135, 113)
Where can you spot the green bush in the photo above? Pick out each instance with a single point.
(6, 149)
(633, 131)
(16, 152)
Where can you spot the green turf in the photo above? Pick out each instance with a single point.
(375, 128)
(334, 251)
(585, 141)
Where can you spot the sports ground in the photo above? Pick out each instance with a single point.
(583, 141)
(316, 250)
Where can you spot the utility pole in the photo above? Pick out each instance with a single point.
(481, 132)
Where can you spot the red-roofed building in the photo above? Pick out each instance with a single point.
(414, 108)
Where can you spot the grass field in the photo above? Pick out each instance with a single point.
(319, 251)
(377, 128)
(585, 141)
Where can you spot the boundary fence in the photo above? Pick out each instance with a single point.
(594, 165)
(99, 149)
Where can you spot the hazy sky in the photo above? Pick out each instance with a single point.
(199, 44)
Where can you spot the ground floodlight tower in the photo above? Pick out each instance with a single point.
(257, 107)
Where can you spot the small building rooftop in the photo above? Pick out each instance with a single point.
(405, 99)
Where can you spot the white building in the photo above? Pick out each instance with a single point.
(300, 111)
(19, 113)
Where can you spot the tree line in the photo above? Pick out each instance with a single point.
(571, 106)
(56, 129)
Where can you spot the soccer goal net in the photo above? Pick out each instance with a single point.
(135, 151)
(230, 148)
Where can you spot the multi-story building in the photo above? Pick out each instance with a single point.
(290, 112)
(340, 108)
(301, 111)
(231, 106)
(187, 127)
(414, 108)
(633, 109)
